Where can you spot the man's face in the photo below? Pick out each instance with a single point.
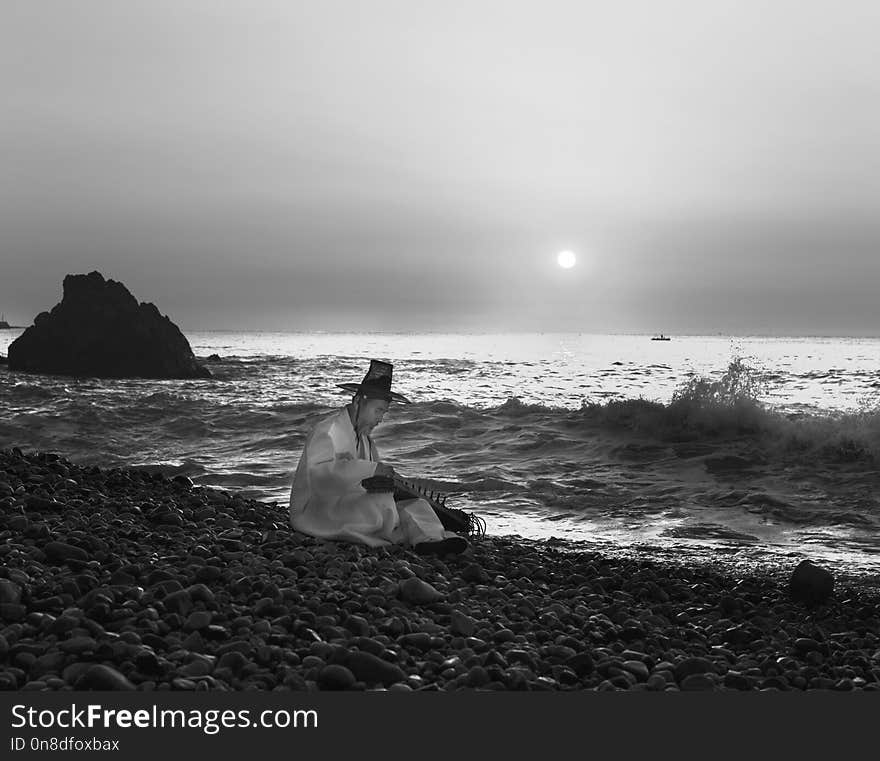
(371, 413)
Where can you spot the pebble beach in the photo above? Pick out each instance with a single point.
(123, 579)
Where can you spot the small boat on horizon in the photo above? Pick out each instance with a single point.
(661, 337)
(3, 324)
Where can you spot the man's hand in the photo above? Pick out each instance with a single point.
(382, 469)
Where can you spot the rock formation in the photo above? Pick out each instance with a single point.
(99, 329)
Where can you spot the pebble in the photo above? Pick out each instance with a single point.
(179, 602)
(418, 640)
(697, 682)
(582, 664)
(65, 552)
(235, 661)
(290, 612)
(462, 624)
(805, 645)
(637, 669)
(101, 677)
(371, 669)
(10, 592)
(10, 611)
(474, 573)
(198, 619)
(335, 677)
(78, 645)
(656, 682)
(418, 592)
(691, 667)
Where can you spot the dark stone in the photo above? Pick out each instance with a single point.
(78, 645)
(370, 669)
(147, 662)
(335, 677)
(582, 664)
(810, 584)
(804, 645)
(208, 573)
(369, 645)
(50, 663)
(695, 682)
(477, 677)
(101, 677)
(180, 602)
(692, 666)
(233, 660)
(99, 329)
(40, 504)
(475, 574)
(736, 681)
(12, 611)
(9, 592)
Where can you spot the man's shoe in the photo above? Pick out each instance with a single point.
(451, 546)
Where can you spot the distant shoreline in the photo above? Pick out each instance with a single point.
(630, 334)
(673, 336)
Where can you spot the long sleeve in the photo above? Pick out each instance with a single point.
(335, 472)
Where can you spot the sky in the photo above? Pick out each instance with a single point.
(403, 165)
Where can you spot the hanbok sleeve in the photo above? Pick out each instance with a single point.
(335, 472)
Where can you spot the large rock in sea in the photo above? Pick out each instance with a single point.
(811, 583)
(99, 329)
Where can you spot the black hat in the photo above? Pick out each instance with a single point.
(376, 383)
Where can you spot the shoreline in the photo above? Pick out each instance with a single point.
(121, 579)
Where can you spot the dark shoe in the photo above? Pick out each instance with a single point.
(450, 546)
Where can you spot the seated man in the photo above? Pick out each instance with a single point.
(327, 499)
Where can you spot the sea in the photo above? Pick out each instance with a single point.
(719, 444)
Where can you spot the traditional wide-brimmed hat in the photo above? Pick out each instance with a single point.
(376, 383)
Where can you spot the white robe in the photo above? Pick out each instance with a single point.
(327, 500)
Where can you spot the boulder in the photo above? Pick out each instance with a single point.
(810, 583)
(99, 329)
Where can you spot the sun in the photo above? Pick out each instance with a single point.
(566, 259)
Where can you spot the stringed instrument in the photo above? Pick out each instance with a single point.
(466, 524)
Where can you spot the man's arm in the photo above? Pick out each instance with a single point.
(333, 471)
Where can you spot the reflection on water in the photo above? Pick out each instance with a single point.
(677, 445)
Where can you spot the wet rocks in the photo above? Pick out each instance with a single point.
(232, 599)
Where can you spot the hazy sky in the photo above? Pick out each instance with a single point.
(408, 165)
